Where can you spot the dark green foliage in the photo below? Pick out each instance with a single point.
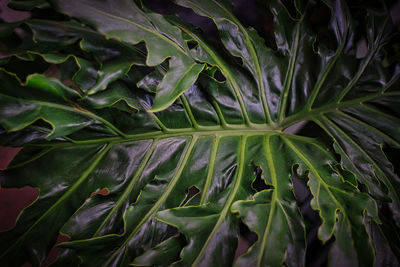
(118, 101)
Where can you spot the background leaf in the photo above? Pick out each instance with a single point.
(152, 145)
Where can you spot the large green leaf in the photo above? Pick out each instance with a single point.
(131, 186)
(130, 24)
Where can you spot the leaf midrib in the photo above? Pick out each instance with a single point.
(223, 130)
(226, 130)
(205, 131)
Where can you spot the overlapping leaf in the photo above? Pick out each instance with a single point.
(116, 178)
(130, 24)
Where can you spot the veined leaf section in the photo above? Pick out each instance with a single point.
(132, 25)
(240, 43)
(152, 176)
(359, 133)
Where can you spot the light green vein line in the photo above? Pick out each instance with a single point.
(204, 131)
(289, 76)
(361, 70)
(189, 112)
(318, 176)
(61, 199)
(327, 70)
(226, 72)
(256, 61)
(137, 25)
(344, 154)
(299, 137)
(70, 109)
(302, 116)
(219, 114)
(253, 53)
(157, 121)
(38, 156)
(161, 200)
(321, 182)
(271, 166)
(391, 82)
(129, 188)
(385, 179)
(390, 117)
(213, 155)
(384, 135)
(229, 201)
(186, 105)
(310, 141)
(318, 146)
(155, 118)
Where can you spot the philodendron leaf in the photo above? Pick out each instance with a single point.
(317, 81)
(46, 99)
(124, 21)
(53, 42)
(134, 187)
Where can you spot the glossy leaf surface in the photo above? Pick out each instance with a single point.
(142, 157)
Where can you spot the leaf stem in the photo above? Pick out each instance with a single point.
(237, 130)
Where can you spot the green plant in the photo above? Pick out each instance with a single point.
(109, 96)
